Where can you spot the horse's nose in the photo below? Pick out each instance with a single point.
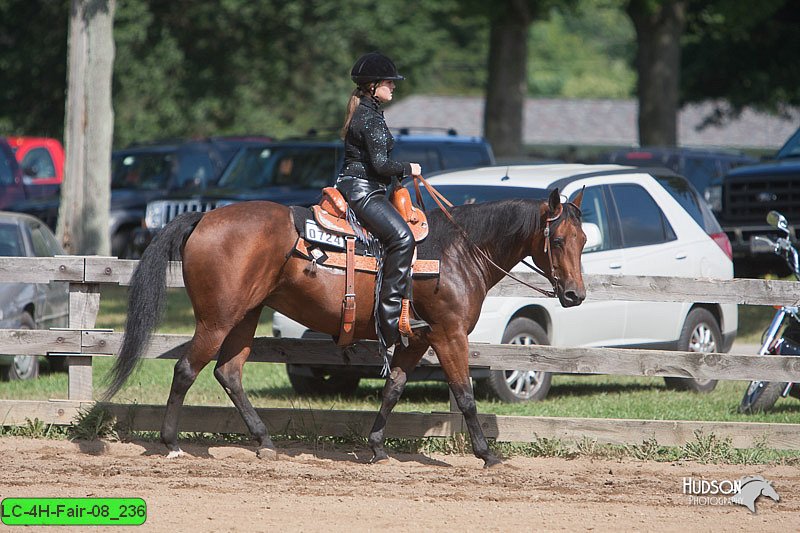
(573, 298)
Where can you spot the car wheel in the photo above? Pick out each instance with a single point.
(122, 245)
(521, 385)
(700, 333)
(321, 384)
(23, 366)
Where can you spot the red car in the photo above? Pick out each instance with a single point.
(42, 161)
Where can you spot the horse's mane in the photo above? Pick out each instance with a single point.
(498, 225)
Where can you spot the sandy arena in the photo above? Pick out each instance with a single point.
(227, 488)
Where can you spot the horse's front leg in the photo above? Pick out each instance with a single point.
(403, 362)
(453, 353)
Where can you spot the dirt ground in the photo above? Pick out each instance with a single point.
(227, 488)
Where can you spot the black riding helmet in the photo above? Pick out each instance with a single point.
(374, 66)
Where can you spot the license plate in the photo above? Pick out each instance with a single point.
(317, 234)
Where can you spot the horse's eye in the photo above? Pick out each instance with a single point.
(559, 242)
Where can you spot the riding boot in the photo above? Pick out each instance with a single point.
(380, 217)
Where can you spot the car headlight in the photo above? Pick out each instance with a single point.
(155, 214)
(713, 196)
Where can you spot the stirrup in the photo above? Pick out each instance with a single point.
(408, 324)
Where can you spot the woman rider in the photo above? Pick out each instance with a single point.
(367, 172)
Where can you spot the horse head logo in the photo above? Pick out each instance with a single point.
(751, 488)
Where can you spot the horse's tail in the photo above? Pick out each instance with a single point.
(147, 297)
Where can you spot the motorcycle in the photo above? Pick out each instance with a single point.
(782, 336)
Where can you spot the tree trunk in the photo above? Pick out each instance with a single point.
(659, 26)
(89, 128)
(508, 79)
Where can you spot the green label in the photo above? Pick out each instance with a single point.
(73, 511)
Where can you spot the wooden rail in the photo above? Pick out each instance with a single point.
(81, 342)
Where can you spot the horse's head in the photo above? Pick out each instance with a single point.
(558, 251)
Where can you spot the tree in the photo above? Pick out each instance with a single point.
(659, 25)
(84, 209)
(740, 55)
(507, 85)
(33, 53)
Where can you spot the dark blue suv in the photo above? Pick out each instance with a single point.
(294, 172)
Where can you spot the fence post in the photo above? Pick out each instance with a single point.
(84, 304)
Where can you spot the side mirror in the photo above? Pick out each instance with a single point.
(594, 237)
(776, 220)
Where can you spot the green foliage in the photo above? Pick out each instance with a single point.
(190, 68)
(33, 429)
(583, 52)
(93, 424)
(744, 55)
(709, 449)
(33, 63)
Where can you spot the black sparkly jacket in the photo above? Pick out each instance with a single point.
(368, 144)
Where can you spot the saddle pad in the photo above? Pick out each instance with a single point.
(328, 258)
(301, 214)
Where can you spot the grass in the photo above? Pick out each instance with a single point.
(753, 320)
(268, 386)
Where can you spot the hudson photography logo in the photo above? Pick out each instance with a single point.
(744, 491)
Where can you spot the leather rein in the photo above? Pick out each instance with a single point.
(441, 201)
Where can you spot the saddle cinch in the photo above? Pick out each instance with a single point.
(330, 215)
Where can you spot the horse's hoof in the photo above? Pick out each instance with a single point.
(173, 454)
(380, 459)
(492, 462)
(268, 454)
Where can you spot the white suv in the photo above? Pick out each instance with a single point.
(644, 222)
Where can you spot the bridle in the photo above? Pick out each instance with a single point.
(553, 278)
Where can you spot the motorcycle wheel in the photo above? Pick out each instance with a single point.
(761, 397)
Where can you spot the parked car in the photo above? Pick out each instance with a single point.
(42, 162)
(650, 222)
(294, 173)
(143, 172)
(700, 167)
(29, 305)
(14, 187)
(435, 152)
(742, 198)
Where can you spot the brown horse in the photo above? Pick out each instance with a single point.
(237, 259)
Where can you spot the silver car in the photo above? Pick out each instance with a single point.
(29, 305)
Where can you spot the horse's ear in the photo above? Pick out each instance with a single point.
(555, 201)
(579, 197)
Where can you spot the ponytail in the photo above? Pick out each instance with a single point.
(355, 98)
(352, 104)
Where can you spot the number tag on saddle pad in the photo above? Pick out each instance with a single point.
(318, 234)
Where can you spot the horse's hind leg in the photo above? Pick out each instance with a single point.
(235, 351)
(403, 362)
(453, 353)
(202, 349)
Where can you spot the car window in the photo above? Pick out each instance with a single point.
(686, 195)
(10, 243)
(462, 156)
(641, 220)
(595, 211)
(39, 160)
(193, 169)
(791, 148)
(701, 171)
(141, 171)
(425, 156)
(473, 194)
(257, 167)
(48, 240)
(40, 245)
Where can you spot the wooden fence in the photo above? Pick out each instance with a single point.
(81, 342)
